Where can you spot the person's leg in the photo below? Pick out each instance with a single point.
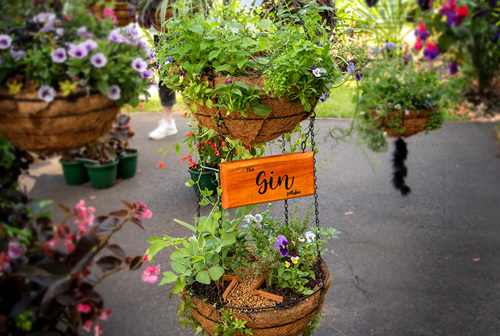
(166, 125)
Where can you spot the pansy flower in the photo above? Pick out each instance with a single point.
(281, 245)
(324, 97)
(318, 72)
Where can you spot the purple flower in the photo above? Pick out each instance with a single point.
(496, 36)
(169, 60)
(98, 60)
(46, 93)
(228, 80)
(14, 250)
(374, 50)
(139, 65)
(147, 74)
(281, 244)
(152, 55)
(59, 55)
(431, 53)
(60, 31)
(389, 46)
(44, 17)
(5, 41)
(389, 104)
(453, 68)
(351, 69)
(407, 57)
(89, 45)
(153, 83)
(115, 36)
(82, 32)
(493, 3)
(49, 26)
(78, 50)
(17, 54)
(132, 32)
(323, 97)
(114, 92)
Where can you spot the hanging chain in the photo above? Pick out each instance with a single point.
(316, 204)
(301, 19)
(219, 198)
(283, 150)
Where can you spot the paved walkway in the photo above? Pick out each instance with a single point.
(425, 264)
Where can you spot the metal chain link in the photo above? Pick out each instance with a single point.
(283, 150)
(316, 203)
(302, 20)
(219, 199)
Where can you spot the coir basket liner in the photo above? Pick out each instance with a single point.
(65, 123)
(254, 129)
(283, 320)
(413, 122)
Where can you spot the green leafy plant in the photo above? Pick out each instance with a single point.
(391, 87)
(229, 325)
(57, 49)
(234, 43)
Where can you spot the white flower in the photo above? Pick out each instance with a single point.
(258, 218)
(46, 93)
(302, 239)
(114, 92)
(310, 236)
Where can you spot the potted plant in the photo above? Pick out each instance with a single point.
(64, 74)
(260, 78)
(127, 157)
(285, 257)
(74, 170)
(48, 276)
(101, 162)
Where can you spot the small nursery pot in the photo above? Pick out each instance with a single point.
(127, 165)
(74, 172)
(203, 180)
(102, 175)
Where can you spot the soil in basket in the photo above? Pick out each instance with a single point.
(245, 298)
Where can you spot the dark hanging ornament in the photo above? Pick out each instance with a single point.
(425, 4)
(398, 164)
(371, 3)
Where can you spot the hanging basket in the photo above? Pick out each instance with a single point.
(119, 8)
(282, 320)
(65, 123)
(254, 129)
(399, 123)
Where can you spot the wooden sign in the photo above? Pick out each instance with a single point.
(267, 179)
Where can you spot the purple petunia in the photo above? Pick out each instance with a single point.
(82, 32)
(98, 60)
(115, 36)
(89, 44)
(281, 244)
(5, 41)
(46, 93)
(351, 69)
(153, 83)
(147, 74)
(139, 64)
(114, 92)
(44, 17)
(453, 68)
(323, 97)
(17, 54)
(14, 250)
(59, 55)
(78, 50)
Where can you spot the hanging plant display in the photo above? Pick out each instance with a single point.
(260, 78)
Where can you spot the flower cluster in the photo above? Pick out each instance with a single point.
(60, 54)
(454, 14)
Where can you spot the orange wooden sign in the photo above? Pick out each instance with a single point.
(267, 179)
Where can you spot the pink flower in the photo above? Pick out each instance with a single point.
(104, 315)
(50, 244)
(418, 45)
(68, 243)
(83, 308)
(228, 80)
(14, 250)
(151, 274)
(88, 326)
(145, 258)
(97, 330)
(4, 263)
(140, 106)
(142, 209)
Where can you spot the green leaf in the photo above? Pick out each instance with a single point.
(264, 43)
(213, 54)
(186, 225)
(102, 86)
(178, 267)
(222, 67)
(168, 277)
(261, 110)
(216, 272)
(179, 285)
(156, 247)
(264, 24)
(198, 29)
(189, 183)
(203, 277)
(180, 253)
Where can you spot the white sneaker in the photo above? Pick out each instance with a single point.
(164, 129)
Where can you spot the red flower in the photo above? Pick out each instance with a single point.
(431, 46)
(223, 143)
(208, 142)
(161, 165)
(185, 158)
(418, 45)
(189, 134)
(462, 11)
(246, 147)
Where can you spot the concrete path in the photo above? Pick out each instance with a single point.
(425, 264)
